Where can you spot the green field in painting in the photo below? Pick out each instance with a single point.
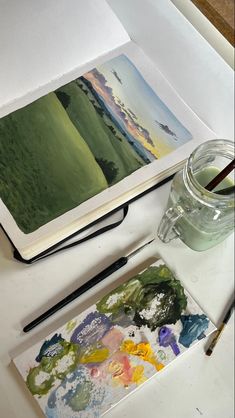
(46, 168)
(106, 142)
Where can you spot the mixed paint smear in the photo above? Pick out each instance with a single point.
(128, 336)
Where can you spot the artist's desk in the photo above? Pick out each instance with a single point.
(195, 385)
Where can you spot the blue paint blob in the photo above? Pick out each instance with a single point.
(50, 413)
(193, 328)
(52, 400)
(50, 348)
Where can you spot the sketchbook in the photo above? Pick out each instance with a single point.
(87, 143)
(108, 351)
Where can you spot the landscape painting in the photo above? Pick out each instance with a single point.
(101, 356)
(81, 139)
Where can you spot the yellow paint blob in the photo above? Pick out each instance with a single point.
(95, 355)
(142, 350)
(138, 376)
(71, 325)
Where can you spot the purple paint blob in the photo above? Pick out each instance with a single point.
(166, 338)
(92, 329)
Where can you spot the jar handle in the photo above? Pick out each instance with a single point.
(166, 231)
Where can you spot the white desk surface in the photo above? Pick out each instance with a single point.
(194, 386)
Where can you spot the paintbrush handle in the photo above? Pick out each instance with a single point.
(221, 176)
(219, 330)
(78, 292)
(213, 343)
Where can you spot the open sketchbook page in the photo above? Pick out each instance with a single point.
(104, 354)
(79, 152)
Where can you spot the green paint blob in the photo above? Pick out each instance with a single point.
(40, 379)
(128, 294)
(72, 353)
(44, 384)
(81, 398)
(161, 355)
(155, 297)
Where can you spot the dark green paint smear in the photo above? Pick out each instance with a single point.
(137, 296)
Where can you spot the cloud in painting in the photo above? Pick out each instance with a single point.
(127, 117)
(166, 129)
(117, 76)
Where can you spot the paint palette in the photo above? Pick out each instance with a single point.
(101, 356)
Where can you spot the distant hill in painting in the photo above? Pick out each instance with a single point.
(102, 134)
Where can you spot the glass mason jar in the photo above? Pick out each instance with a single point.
(200, 218)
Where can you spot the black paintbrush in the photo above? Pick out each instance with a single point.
(82, 289)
